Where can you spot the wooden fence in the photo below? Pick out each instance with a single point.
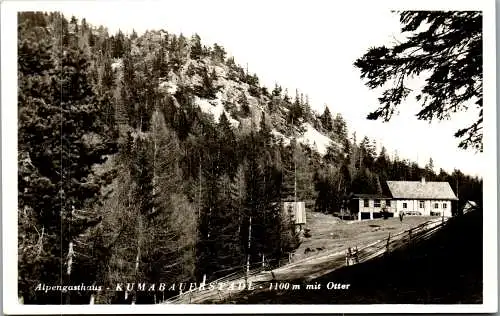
(256, 274)
(261, 275)
(406, 238)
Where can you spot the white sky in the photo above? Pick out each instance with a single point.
(309, 45)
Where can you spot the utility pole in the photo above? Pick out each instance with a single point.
(69, 263)
(341, 204)
(199, 206)
(199, 187)
(294, 167)
(294, 180)
(154, 159)
(68, 270)
(250, 216)
(249, 245)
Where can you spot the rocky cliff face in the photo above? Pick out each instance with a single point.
(217, 85)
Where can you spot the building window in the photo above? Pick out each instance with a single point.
(376, 203)
(366, 203)
(422, 204)
(436, 205)
(405, 205)
(388, 203)
(445, 205)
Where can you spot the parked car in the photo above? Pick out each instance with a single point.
(412, 213)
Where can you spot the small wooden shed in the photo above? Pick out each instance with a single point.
(297, 211)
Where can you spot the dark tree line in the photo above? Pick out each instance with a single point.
(124, 178)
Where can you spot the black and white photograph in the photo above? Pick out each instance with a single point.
(249, 156)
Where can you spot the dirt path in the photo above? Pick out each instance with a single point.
(366, 235)
(433, 270)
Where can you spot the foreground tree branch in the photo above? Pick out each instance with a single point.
(448, 47)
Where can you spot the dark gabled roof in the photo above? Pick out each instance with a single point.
(421, 190)
(370, 196)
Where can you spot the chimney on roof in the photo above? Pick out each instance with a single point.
(423, 180)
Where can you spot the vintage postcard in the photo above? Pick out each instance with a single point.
(248, 156)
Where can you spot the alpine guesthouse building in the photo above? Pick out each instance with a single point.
(410, 197)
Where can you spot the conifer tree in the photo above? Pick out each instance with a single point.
(296, 111)
(244, 104)
(118, 44)
(326, 120)
(160, 65)
(339, 128)
(63, 134)
(449, 49)
(219, 53)
(429, 170)
(196, 48)
(307, 108)
(228, 146)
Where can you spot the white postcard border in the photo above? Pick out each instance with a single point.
(9, 11)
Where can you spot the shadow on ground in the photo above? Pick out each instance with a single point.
(446, 269)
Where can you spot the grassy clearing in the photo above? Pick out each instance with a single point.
(330, 234)
(435, 271)
(334, 235)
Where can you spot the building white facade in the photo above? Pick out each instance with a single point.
(418, 198)
(374, 206)
(424, 207)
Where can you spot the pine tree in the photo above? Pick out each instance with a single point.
(160, 67)
(208, 88)
(62, 135)
(429, 170)
(296, 112)
(244, 104)
(447, 74)
(170, 255)
(307, 108)
(196, 48)
(228, 146)
(339, 129)
(325, 186)
(118, 43)
(219, 54)
(264, 130)
(108, 78)
(382, 163)
(367, 153)
(326, 120)
(186, 195)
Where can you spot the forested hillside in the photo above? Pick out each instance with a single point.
(156, 158)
